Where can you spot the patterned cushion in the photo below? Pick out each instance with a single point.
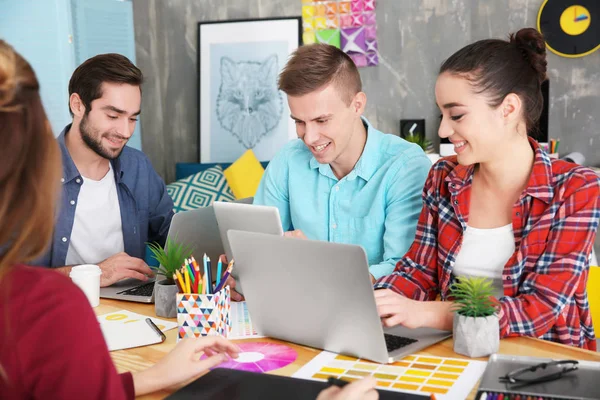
(200, 190)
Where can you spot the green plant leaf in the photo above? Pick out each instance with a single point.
(418, 139)
(473, 297)
(171, 257)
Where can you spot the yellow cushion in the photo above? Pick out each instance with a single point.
(244, 175)
(593, 292)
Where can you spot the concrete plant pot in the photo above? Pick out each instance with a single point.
(165, 294)
(476, 337)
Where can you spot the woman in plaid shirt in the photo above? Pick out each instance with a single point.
(500, 208)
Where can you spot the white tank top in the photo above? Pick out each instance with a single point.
(484, 253)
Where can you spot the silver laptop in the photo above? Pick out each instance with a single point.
(319, 294)
(195, 228)
(245, 217)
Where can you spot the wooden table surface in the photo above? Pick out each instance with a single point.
(141, 358)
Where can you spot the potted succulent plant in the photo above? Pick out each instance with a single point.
(171, 257)
(475, 327)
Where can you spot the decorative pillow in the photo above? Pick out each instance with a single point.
(200, 190)
(244, 175)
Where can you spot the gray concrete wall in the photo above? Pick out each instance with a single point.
(414, 36)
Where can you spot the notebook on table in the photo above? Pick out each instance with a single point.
(134, 334)
(230, 384)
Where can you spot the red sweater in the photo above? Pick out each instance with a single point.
(51, 345)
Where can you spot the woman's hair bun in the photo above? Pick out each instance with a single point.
(533, 48)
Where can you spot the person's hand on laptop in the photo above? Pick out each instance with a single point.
(359, 390)
(298, 234)
(395, 309)
(121, 266)
(184, 363)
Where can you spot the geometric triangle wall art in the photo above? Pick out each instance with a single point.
(350, 25)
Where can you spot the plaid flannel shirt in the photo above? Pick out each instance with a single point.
(554, 222)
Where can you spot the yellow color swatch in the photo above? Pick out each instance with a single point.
(385, 376)
(345, 358)
(349, 378)
(366, 367)
(457, 363)
(439, 382)
(423, 366)
(445, 376)
(401, 364)
(405, 386)
(322, 376)
(432, 389)
(383, 383)
(451, 369)
(358, 373)
(409, 358)
(333, 370)
(417, 372)
(411, 379)
(430, 360)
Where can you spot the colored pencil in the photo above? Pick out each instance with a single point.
(181, 282)
(209, 275)
(219, 267)
(187, 280)
(225, 276)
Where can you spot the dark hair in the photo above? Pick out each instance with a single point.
(498, 67)
(88, 78)
(313, 66)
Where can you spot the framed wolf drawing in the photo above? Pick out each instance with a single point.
(240, 107)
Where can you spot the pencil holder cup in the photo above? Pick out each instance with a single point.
(203, 314)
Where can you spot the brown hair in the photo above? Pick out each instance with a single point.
(30, 169)
(499, 67)
(88, 78)
(311, 67)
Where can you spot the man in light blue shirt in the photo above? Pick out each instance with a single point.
(343, 180)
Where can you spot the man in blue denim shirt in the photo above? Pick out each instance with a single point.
(343, 180)
(113, 201)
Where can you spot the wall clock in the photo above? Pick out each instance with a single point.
(571, 28)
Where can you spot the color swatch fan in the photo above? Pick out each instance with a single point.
(348, 25)
(446, 378)
(261, 357)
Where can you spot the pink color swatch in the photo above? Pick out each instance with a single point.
(261, 357)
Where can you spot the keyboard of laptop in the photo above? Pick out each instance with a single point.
(143, 290)
(395, 342)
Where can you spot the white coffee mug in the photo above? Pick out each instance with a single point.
(87, 277)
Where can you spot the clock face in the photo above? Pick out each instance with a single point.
(575, 20)
(571, 28)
